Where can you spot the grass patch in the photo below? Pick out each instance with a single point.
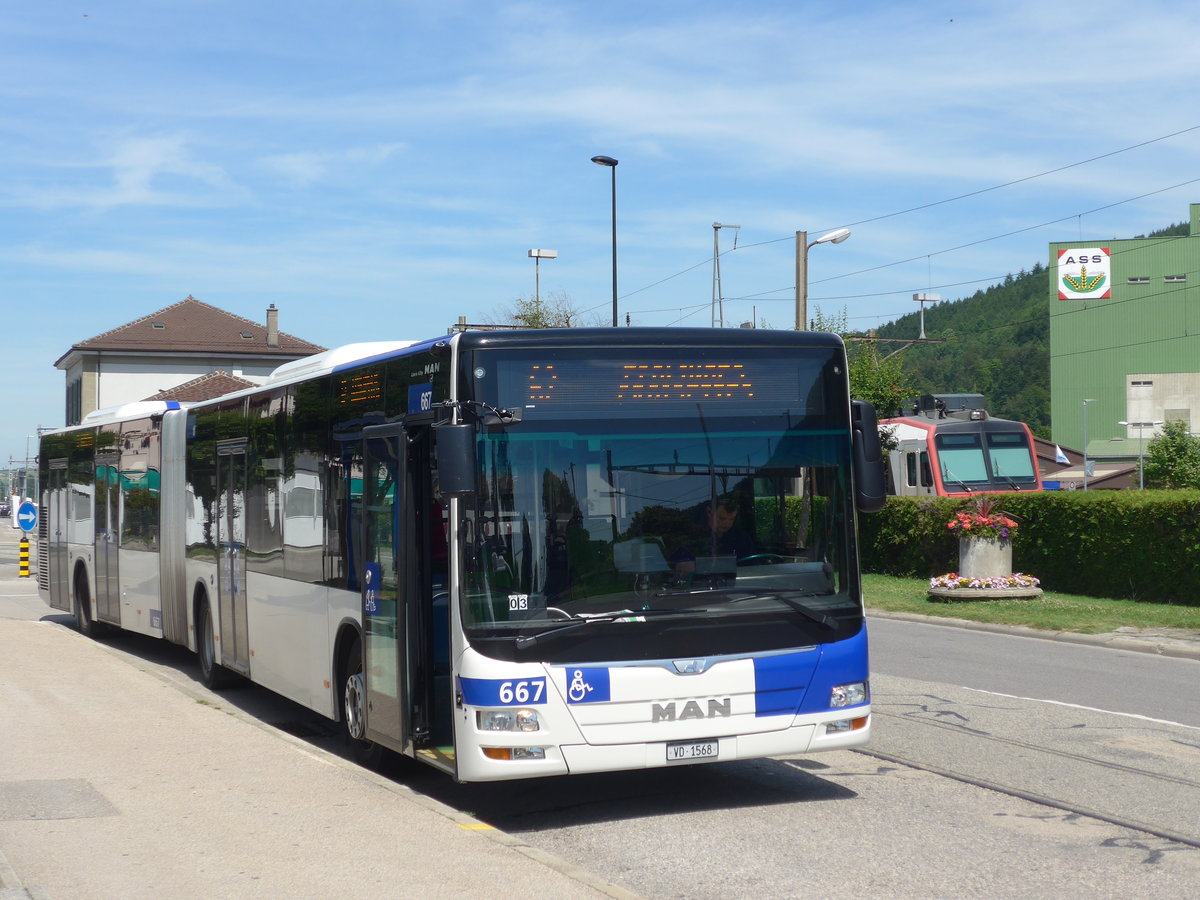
(1052, 611)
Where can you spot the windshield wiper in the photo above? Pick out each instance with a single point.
(785, 596)
(526, 641)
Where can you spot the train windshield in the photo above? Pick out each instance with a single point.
(980, 459)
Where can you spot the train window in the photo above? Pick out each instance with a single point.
(911, 460)
(961, 459)
(1009, 452)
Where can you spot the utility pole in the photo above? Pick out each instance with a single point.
(718, 302)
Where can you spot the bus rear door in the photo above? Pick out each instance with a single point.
(55, 509)
(231, 571)
(108, 538)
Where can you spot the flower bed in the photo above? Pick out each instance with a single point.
(954, 581)
(954, 586)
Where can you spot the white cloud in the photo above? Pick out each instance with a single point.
(133, 171)
(306, 168)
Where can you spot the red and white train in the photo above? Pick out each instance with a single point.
(950, 447)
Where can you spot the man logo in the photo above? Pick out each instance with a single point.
(667, 712)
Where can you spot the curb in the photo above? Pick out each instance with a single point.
(1158, 645)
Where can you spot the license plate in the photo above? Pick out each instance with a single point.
(692, 750)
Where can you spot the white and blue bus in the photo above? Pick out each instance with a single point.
(505, 553)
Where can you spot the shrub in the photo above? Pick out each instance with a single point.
(1141, 545)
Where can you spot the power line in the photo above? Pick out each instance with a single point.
(965, 196)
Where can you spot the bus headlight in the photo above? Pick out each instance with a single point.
(507, 720)
(848, 695)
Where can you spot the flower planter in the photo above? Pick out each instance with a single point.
(985, 569)
(984, 557)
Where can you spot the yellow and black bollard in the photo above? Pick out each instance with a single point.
(24, 557)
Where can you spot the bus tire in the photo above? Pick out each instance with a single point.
(214, 675)
(87, 626)
(353, 708)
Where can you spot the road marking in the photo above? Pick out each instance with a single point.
(1087, 708)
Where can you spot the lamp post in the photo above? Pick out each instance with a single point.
(1141, 427)
(802, 248)
(537, 256)
(612, 164)
(1085, 403)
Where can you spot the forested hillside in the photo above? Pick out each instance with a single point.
(995, 343)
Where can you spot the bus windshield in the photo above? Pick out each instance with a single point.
(679, 528)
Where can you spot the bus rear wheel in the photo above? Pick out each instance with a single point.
(83, 607)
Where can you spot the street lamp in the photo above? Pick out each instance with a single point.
(1085, 403)
(1141, 427)
(802, 248)
(537, 256)
(612, 164)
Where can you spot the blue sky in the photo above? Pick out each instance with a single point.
(377, 169)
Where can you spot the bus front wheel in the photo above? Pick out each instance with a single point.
(354, 709)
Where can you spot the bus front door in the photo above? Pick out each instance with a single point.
(231, 549)
(387, 586)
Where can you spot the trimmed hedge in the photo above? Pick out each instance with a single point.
(1138, 545)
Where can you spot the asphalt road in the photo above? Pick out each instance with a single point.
(1115, 680)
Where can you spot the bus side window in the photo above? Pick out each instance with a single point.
(926, 472)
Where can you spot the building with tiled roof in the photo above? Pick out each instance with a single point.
(176, 346)
(214, 384)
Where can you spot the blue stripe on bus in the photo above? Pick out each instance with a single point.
(780, 682)
(801, 682)
(503, 692)
(844, 662)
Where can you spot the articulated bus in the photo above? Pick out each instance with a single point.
(951, 447)
(506, 554)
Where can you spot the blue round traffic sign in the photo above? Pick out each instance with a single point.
(27, 514)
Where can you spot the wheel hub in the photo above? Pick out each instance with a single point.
(356, 711)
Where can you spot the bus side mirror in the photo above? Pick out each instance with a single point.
(870, 492)
(455, 450)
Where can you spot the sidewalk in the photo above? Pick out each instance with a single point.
(114, 783)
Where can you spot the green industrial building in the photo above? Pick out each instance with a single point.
(1124, 340)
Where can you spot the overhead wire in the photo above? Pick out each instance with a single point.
(944, 201)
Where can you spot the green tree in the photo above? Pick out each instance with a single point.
(552, 310)
(881, 381)
(1173, 458)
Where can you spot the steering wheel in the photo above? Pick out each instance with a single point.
(555, 613)
(757, 559)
